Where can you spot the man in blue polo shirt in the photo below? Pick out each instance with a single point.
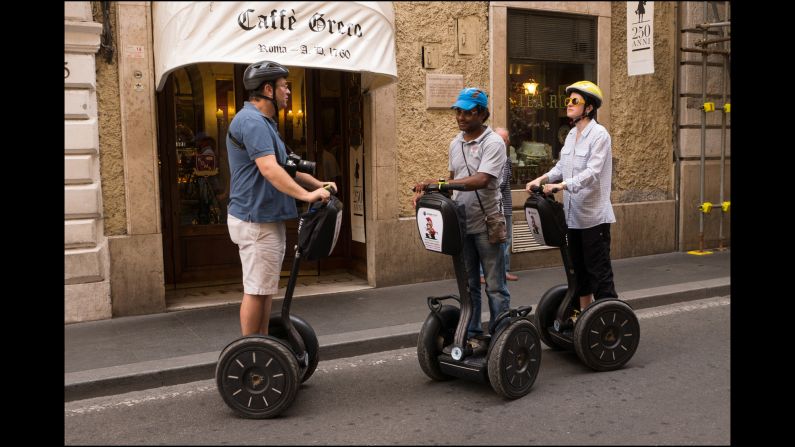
(262, 193)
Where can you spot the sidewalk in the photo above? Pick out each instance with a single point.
(133, 353)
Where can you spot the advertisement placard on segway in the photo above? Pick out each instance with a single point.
(546, 220)
(534, 222)
(438, 224)
(431, 225)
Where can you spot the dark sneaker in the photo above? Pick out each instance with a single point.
(479, 347)
(485, 338)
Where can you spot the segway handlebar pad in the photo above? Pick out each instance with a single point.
(440, 221)
(319, 228)
(546, 220)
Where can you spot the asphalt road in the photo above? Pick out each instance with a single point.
(675, 390)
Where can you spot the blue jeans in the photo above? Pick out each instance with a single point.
(478, 252)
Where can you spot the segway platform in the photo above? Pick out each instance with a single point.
(605, 335)
(258, 375)
(514, 349)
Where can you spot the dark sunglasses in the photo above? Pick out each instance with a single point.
(470, 112)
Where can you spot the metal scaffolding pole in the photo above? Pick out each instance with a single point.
(724, 204)
(704, 57)
(704, 206)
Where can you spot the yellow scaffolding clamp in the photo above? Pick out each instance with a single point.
(705, 207)
(727, 108)
(708, 107)
(725, 206)
(699, 252)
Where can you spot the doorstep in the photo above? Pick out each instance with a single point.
(221, 295)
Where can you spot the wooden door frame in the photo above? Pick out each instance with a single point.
(341, 256)
(166, 139)
(346, 250)
(174, 234)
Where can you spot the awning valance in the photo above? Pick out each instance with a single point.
(349, 36)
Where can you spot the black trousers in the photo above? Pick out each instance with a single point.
(590, 252)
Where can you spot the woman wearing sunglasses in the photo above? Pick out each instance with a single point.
(584, 173)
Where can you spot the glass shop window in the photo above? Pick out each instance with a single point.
(546, 53)
(203, 101)
(204, 105)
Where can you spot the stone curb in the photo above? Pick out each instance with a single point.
(190, 368)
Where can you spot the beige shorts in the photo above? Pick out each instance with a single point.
(261, 253)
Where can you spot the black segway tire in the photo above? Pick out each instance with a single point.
(257, 376)
(514, 359)
(436, 333)
(545, 315)
(606, 334)
(276, 329)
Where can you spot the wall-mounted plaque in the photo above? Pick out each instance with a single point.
(441, 90)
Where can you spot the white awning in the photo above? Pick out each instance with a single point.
(349, 36)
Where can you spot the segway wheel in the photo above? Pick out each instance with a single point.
(514, 359)
(276, 329)
(606, 335)
(257, 377)
(436, 333)
(545, 315)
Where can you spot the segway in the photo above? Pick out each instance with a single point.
(258, 375)
(606, 333)
(514, 350)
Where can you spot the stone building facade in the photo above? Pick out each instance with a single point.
(114, 238)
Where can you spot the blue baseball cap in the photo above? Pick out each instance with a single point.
(471, 97)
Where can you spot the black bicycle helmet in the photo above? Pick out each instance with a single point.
(263, 71)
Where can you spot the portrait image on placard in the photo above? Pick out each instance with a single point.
(534, 222)
(430, 224)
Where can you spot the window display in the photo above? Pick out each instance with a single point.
(546, 53)
(537, 119)
(204, 105)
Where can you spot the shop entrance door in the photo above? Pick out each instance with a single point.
(194, 176)
(335, 120)
(195, 108)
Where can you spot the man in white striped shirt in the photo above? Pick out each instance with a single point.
(584, 172)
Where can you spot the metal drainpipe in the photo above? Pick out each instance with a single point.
(704, 57)
(723, 128)
(676, 97)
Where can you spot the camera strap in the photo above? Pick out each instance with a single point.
(243, 146)
(234, 140)
(476, 191)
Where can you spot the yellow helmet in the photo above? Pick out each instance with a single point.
(587, 88)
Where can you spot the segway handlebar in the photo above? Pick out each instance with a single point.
(443, 187)
(332, 199)
(540, 190)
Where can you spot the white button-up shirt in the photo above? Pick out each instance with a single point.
(587, 169)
